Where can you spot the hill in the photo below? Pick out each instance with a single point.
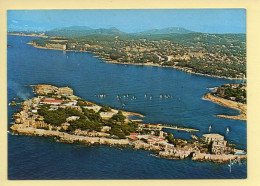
(79, 31)
(170, 30)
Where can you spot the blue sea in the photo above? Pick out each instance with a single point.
(34, 158)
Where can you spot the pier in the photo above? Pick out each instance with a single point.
(179, 128)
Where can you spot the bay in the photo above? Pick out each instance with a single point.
(42, 158)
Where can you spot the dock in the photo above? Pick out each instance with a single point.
(136, 120)
(180, 128)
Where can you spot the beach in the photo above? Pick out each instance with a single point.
(231, 104)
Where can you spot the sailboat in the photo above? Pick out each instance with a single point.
(230, 165)
(227, 130)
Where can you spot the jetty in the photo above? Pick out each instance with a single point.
(179, 128)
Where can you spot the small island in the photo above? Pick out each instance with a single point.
(58, 113)
(232, 96)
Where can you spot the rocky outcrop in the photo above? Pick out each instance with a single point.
(216, 158)
(65, 137)
(44, 89)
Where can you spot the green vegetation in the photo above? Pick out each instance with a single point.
(92, 115)
(234, 92)
(105, 108)
(157, 133)
(59, 116)
(212, 54)
(84, 124)
(170, 138)
(82, 103)
(88, 120)
(119, 117)
(122, 129)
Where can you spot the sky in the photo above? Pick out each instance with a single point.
(130, 21)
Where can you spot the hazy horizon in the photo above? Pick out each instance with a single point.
(131, 21)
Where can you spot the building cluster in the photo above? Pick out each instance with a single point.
(146, 136)
(205, 51)
(219, 145)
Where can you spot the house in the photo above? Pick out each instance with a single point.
(57, 46)
(212, 137)
(234, 85)
(142, 126)
(233, 98)
(96, 108)
(219, 147)
(106, 115)
(72, 118)
(71, 103)
(51, 101)
(105, 129)
(133, 138)
(34, 111)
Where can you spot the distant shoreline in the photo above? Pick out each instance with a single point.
(231, 104)
(26, 35)
(140, 64)
(174, 67)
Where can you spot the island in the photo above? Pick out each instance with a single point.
(232, 96)
(58, 113)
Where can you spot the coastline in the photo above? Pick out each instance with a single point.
(231, 104)
(140, 64)
(88, 140)
(174, 67)
(26, 35)
(29, 120)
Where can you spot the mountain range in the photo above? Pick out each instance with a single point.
(84, 30)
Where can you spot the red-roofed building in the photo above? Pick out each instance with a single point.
(133, 138)
(133, 134)
(151, 141)
(158, 137)
(52, 101)
(90, 103)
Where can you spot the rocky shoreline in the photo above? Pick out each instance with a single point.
(231, 104)
(68, 138)
(177, 154)
(30, 121)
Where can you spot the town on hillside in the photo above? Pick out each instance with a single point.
(218, 55)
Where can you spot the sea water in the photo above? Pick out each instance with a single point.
(139, 89)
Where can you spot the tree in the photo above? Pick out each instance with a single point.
(117, 131)
(170, 138)
(118, 117)
(105, 108)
